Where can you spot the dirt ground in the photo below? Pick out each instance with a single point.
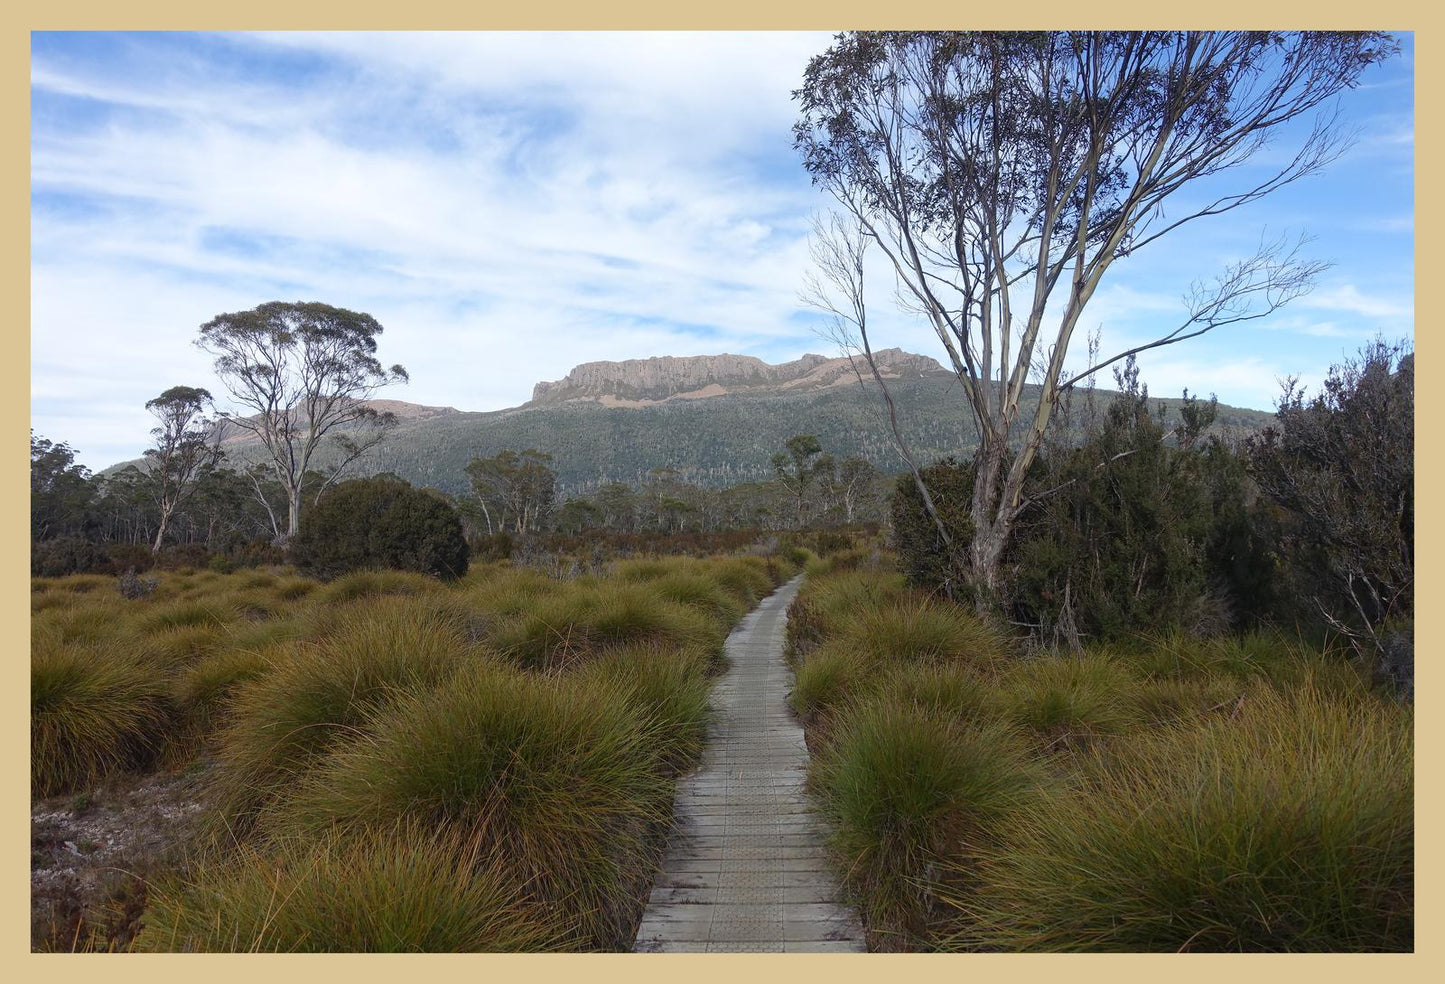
(92, 856)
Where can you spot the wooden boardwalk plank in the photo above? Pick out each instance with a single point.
(744, 870)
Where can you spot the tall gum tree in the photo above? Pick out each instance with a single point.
(1002, 174)
(300, 373)
(186, 450)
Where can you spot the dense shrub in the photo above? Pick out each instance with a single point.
(381, 523)
(68, 555)
(1341, 467)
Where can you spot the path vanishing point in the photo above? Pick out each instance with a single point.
(745, 869)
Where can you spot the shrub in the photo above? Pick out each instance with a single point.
(554, 780)
(93, 711)
(67, 555)
(402, 889)
(381, 523)
(1287, 827)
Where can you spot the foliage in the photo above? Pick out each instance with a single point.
(381, 523)
(1341, 467)
(1003, 173)
(301, 372)
(59, 491)
(60, 556)
(186, 449)
(515, 492)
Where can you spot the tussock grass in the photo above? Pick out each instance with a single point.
(1067, 701)
(318, 694)
(905, 790)
(404, 889)
(669, 688)
(697, 590)
(577, 623)
(203, 692)
(924, 630)
(1287, 827)
(372, 584)
(213, 612)
(831, 675)
(93, 710)
(293, 588)
(95, 620)
(553, 779)
(824, 605)
(185, 643)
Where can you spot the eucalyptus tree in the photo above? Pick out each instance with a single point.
(187, 449)
(301, 373)
(1001, 175)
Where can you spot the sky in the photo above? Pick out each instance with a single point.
(510, 205)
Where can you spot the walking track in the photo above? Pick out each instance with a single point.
(745, 870)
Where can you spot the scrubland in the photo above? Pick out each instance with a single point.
(386, 761)
(1162, 794)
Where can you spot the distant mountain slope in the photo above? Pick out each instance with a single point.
(717, 419)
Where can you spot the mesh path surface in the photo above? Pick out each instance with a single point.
(745, 870)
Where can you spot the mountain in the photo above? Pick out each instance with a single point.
(716, 419)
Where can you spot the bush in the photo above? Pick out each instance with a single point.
(68, 555)
(407, 889)
(1287, 827)
(381, 523)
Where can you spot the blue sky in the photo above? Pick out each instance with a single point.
(509, 205)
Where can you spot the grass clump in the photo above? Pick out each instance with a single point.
(554, 780)
(403, 889)
(831, 675)
(906, 791)
(373, 584)
(317, 694)
(575, 624)
(1068, 701)
(924, 630)
(669, 688)
(1289, 826)
(93, 711)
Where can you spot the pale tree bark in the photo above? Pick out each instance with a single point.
(1000, 176)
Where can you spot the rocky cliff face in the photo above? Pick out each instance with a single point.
(641, 382)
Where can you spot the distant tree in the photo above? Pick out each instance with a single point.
(514, 491)
(301, 372)
(856, 477)
(1002, 174)
(794, 469)
(186, 449)
(618, 505)
(577, 515)
(60, 491)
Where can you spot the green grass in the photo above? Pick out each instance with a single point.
(373, 584)
(1288, 826)
(554, 779)
(403, 890)
(93, 710)
(318, 694)
(669, 688)
(1069, 701)
(924, 630)
(906, 791)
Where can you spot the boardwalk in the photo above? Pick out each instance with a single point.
(745, 870)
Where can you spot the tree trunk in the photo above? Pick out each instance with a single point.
(160, 534)
(293, 517)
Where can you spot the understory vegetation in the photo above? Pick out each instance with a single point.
(1158, 792)
(389, 761)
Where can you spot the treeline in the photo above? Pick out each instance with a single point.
(85, 523)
